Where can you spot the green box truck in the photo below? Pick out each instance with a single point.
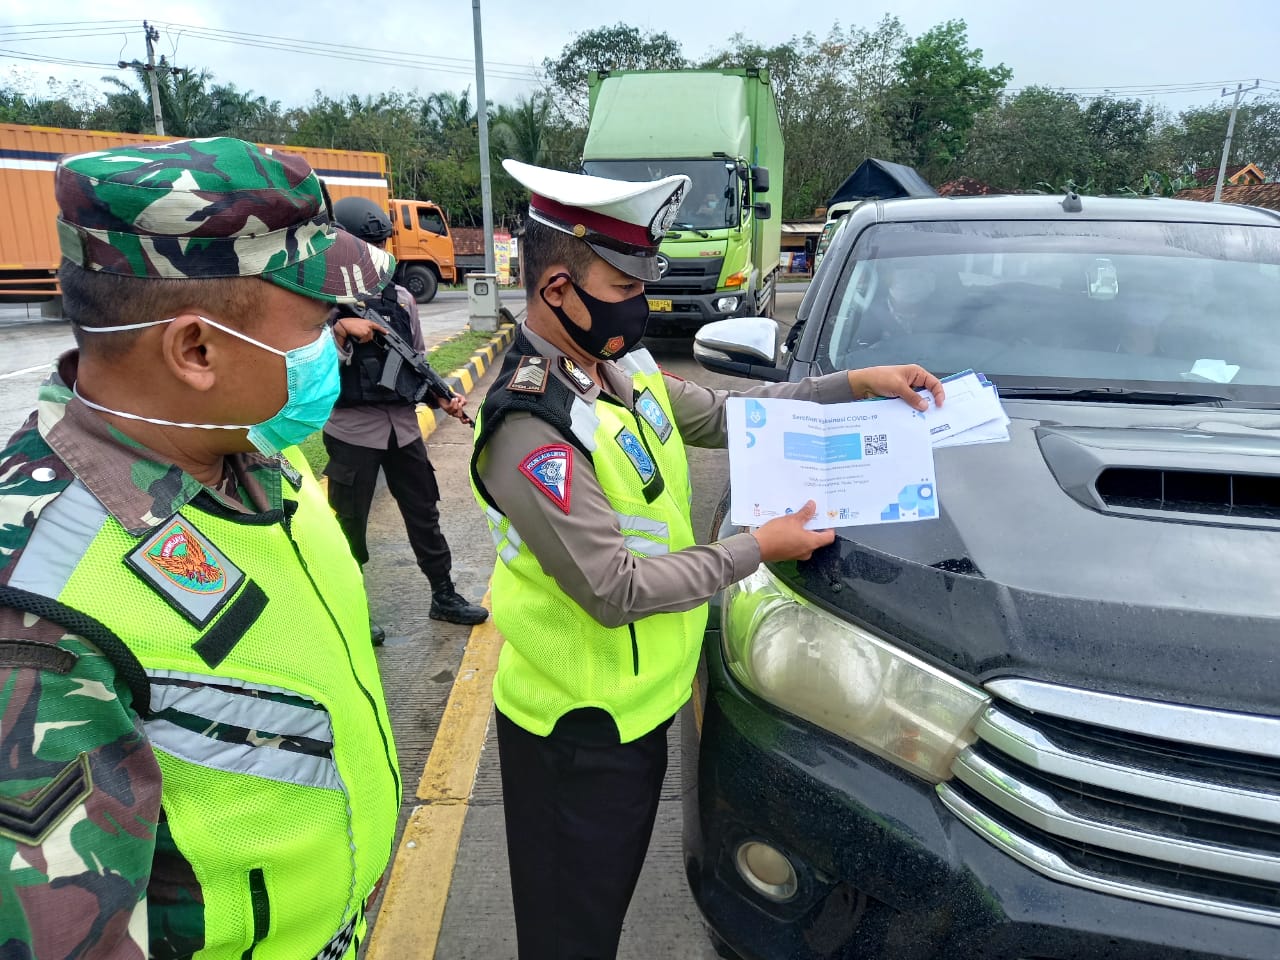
(721, 129)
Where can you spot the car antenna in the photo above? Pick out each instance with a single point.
(1071, 202)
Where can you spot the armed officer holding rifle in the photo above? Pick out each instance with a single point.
(375, 426)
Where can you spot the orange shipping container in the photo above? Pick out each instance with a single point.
(29, 254)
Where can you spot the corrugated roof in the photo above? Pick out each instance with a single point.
(1253, 195)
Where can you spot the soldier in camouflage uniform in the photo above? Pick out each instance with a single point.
(195, 754)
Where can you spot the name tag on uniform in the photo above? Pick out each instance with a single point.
(648, 407)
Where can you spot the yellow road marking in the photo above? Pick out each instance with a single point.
(413, 907)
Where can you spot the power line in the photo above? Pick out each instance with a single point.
(323, 44)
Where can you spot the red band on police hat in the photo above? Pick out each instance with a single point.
(594, 222)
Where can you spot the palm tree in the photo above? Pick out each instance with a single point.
(520, 130)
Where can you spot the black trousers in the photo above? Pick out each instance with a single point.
(353, 477)
(579, 818)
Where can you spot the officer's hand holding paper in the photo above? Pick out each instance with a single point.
(861, 462)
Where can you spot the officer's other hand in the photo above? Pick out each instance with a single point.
(359, 329)
(785, 538)
(454, 407)
(896, 381)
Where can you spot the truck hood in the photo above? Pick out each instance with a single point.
(1030, 572)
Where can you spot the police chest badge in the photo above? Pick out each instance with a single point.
(648, 407)
(637, 454)
(550, 468)
(530, 376)
(183, 566)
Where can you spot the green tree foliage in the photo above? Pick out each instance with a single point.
(943, 86)
(619, 47)
(1037, 136)
(832, 96)
(854, 92)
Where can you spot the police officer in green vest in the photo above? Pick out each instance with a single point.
(600, 588)
(198, 760)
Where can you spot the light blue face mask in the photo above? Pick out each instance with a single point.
(312, 374)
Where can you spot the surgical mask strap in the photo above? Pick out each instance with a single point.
(156, 323)
(162, 423)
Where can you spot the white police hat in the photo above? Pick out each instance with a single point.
(620, 220)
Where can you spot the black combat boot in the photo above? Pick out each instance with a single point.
(449, 605)
(376, 634)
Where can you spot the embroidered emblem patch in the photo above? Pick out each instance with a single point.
(613, 345)
(183, 566)
(551, 470)
(648, 407)
(580, 380)
(637, 454)
(530, 376)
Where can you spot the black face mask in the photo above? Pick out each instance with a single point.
(615, 327)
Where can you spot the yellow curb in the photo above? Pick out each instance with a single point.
(412, 913)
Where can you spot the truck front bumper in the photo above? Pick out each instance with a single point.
(690, 311)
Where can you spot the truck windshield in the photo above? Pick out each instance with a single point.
(710, 204)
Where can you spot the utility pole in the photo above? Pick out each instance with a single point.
(482, 115)
(152, 69)
(1241, 90)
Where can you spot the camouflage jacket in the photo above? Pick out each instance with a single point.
(82, 836)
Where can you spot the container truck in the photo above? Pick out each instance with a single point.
(29, 254)
(721, 129)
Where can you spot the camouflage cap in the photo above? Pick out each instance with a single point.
(217, 207)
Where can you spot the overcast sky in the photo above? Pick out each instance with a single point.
(1155, 50)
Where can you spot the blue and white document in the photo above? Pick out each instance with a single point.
(864, 462)
(859, 462)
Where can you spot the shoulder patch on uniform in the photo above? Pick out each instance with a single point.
(530, 376)
(637, 454)
(551, 470)
(648, 407)
(581, 382)
(183, 566)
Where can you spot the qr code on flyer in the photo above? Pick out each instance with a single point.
(875, 444)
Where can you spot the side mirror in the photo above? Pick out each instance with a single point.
(763, 209)
(760, 179)
(740, 347)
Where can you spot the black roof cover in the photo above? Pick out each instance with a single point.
(882, 180)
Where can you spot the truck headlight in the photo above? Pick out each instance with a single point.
(845, 679)
(727, 304)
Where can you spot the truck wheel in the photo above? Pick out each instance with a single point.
(421, 282)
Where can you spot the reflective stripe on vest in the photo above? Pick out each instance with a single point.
(280, 785)
(557, 657)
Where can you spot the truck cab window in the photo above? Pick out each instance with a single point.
(432, 221)
(405, 218)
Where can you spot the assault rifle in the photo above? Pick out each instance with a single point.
(407, 372)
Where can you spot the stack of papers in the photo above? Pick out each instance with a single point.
(970, 414)
(862, 462)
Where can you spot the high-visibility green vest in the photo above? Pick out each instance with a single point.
(557, 657)
(257, 622)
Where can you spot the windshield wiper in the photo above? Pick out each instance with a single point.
(689, 226)
(1111, 395)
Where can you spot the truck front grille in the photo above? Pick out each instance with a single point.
(1141, 799)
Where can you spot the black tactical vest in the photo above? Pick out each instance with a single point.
(360, 377)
